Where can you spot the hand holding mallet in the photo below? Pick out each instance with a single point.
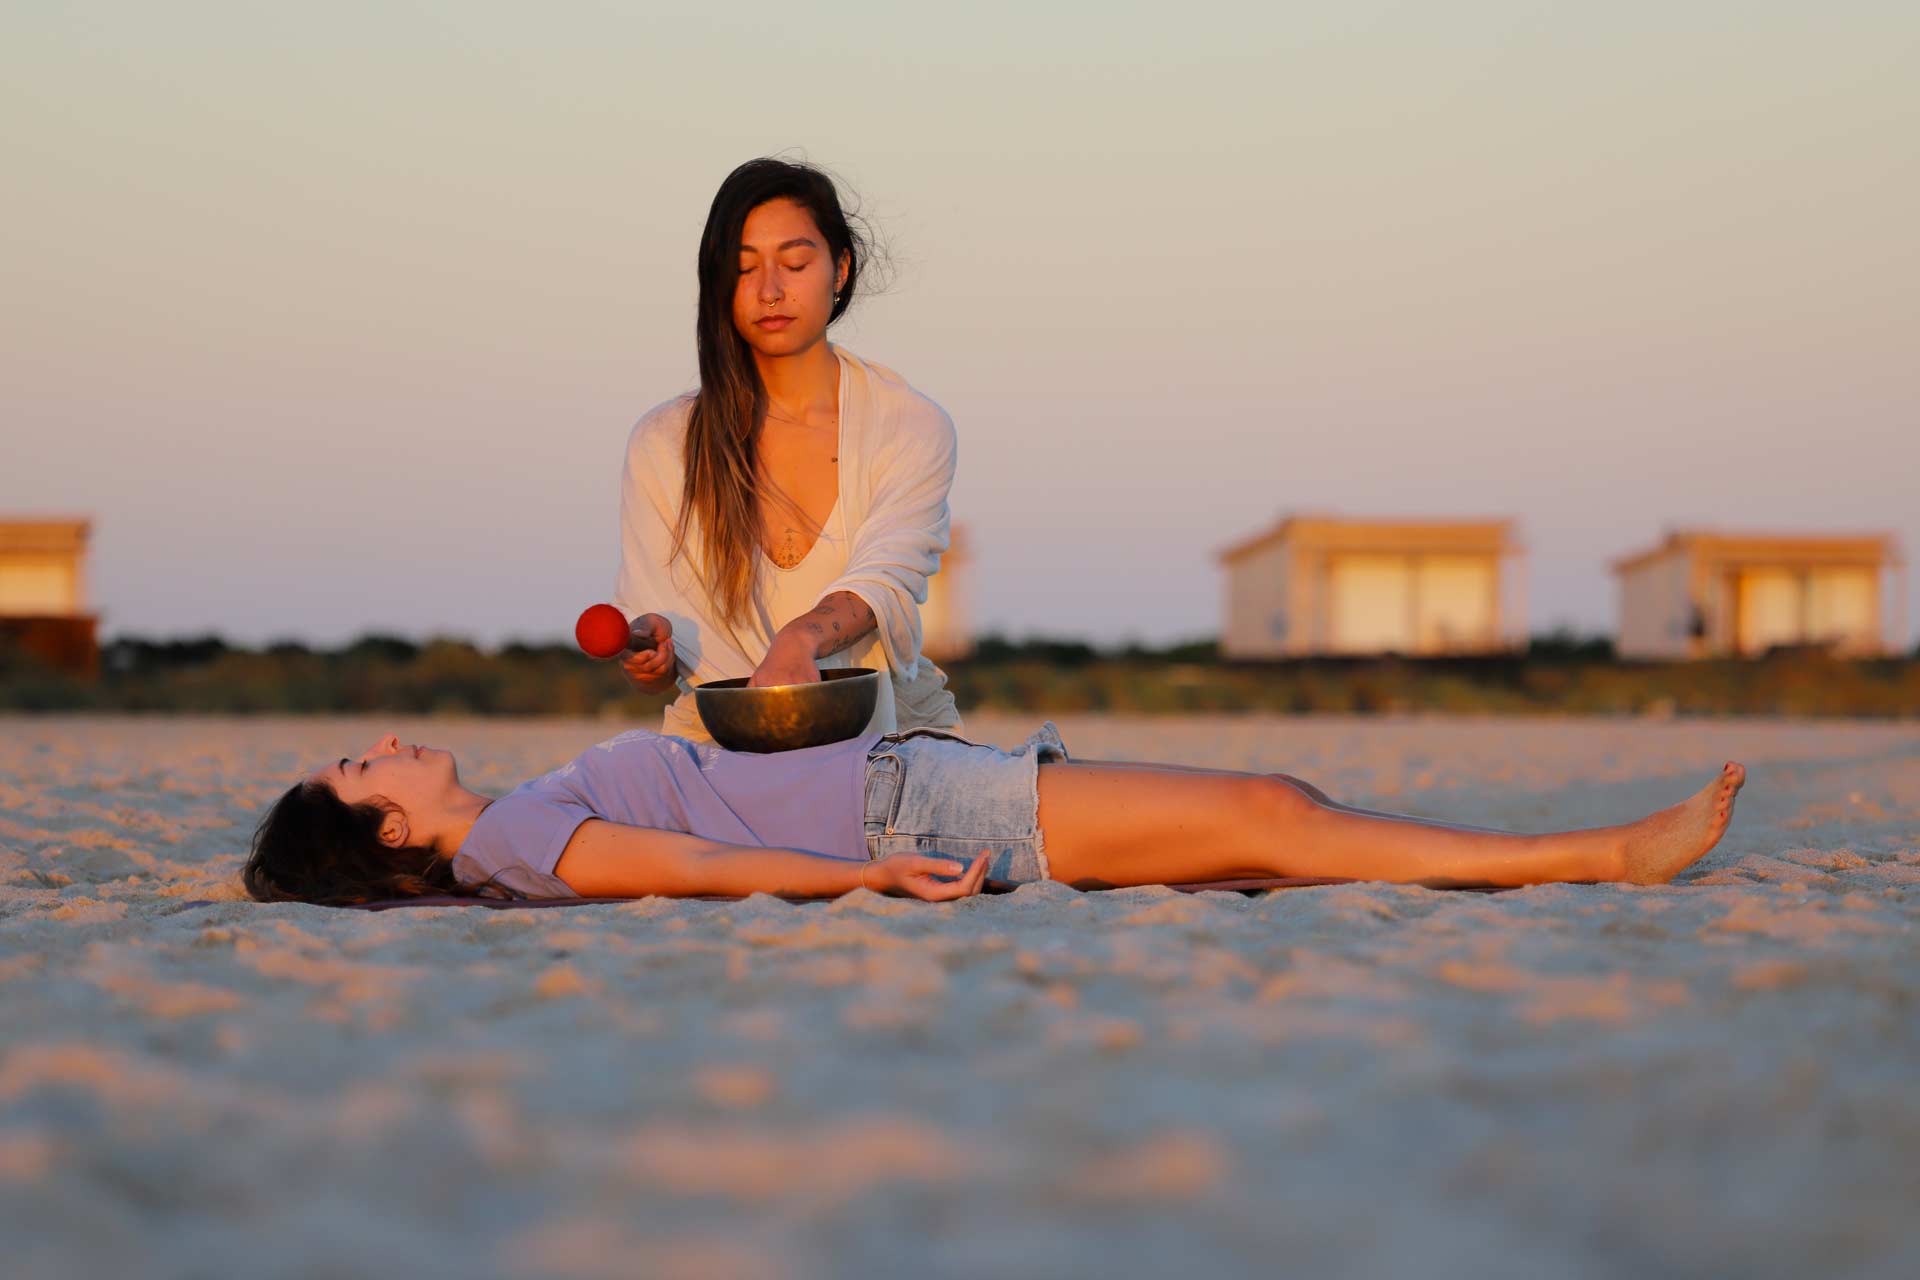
(643, 646)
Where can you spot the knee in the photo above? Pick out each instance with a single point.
(1277, 798)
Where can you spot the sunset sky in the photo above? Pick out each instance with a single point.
(336, 317)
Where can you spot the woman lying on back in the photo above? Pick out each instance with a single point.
(920, 814)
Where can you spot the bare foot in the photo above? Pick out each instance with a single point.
(1662, 845)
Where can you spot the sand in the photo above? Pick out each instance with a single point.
(1721, 1076)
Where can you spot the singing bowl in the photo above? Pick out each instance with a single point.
(787, 717)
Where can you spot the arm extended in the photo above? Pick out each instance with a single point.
(613, 860)
(833, 624)
(827, 628)
(896, 547)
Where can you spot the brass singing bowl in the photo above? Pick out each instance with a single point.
(787, 717)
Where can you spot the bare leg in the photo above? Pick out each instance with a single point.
(1110, 825)
(1301, 783)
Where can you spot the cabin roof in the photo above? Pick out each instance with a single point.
(45, 535)
(1865, 550)
(1390, 536)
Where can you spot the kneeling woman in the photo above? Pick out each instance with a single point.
(919, 814)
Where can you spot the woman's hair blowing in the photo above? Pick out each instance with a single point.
(723, 429)
(315, 847)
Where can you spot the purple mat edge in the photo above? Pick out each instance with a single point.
(1248, 886)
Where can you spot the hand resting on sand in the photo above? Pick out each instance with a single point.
(916, 875)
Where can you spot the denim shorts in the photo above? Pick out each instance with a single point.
(930, 792)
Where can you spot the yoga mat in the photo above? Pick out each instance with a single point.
(1247, 886)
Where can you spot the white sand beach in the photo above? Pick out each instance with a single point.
(1721, 1076)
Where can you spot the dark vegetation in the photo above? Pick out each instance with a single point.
(1560, 673)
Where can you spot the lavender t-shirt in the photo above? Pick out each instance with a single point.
(810, 799)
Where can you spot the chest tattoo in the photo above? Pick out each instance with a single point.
(788, 553)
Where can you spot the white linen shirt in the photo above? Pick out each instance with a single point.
(897, 453)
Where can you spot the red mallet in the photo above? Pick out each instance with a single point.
(604, 632)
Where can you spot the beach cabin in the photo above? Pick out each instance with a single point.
(43, 593)
(1702, 594)
(946, 622)
(1322, 585)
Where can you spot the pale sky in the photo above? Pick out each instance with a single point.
(336, 317)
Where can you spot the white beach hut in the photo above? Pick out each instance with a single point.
(946, 621)
(43, 591)
(1313, 585)
(1702, 594)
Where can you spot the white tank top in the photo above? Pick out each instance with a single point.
(785, 595)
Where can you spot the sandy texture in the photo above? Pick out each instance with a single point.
(1717, 1077)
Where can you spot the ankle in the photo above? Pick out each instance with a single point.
(1611, 859)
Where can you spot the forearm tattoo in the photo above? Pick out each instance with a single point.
(835, 623)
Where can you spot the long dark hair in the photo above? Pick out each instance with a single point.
(315, 847)
(723, 430)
